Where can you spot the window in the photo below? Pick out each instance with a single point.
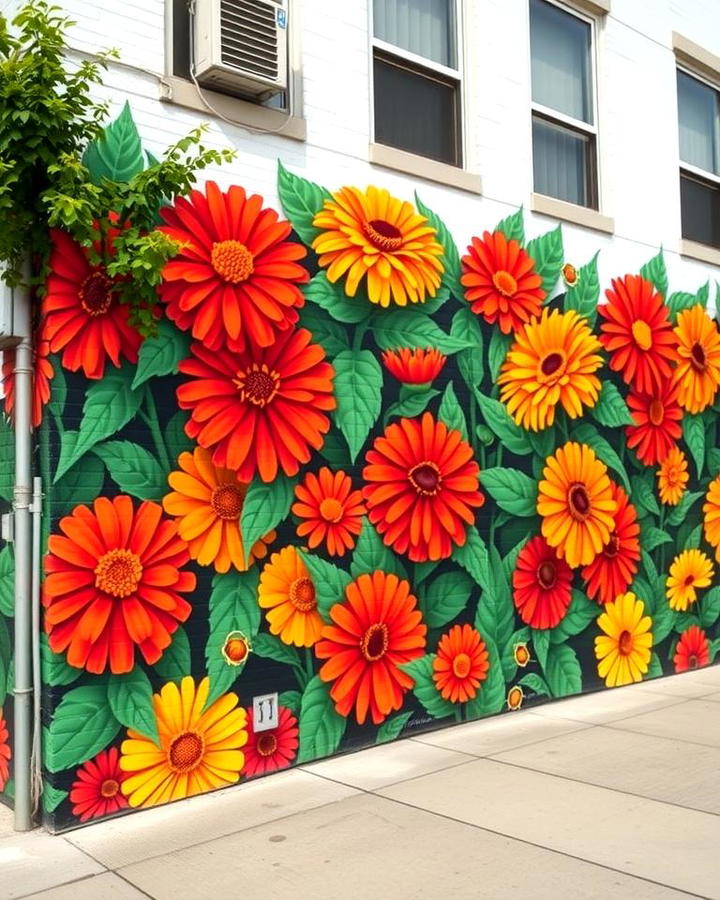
(564, 126)
(416, 76)
(699, 121)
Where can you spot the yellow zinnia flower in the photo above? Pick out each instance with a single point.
(698, 373)
(287, 592)
(690, 570)
(576, 503)
(373, 233)
(199, 748)
(551, 361)
(623, 652)
(673, 477)
(208, 502)
(711, 516)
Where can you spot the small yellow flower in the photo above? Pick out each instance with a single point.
(672, 477)
(623, 651)
(515, 697)
(690, 570)
(521, 654)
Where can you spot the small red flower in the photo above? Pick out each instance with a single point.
(461, 664)
(693, 650)
(657, 422)
(5, 752)
(613, 569)
(414, 366)
(96, 789)
(268, 751)
(541, 585)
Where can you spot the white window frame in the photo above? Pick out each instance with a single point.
(551, 115)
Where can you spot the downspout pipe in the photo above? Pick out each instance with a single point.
(22, 499)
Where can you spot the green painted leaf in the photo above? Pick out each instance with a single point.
(652, 537)
(495, 616)
(548, 253)
(712, 460)
(710, 607)
(266, 504)
(51, 798)
(507, 656)
(654, 270)
(562, 671)
(134, 469)
(643, 495)
(490, 697)
(371, 554)
(513, 227)
(301, 200)
(130, 698)
(540, 638)
(109, 406)
(58, 388)
(512, 490)
(270, 647)
(7, 459)
(694, 436)
(335, 450)
(581, 612)
(54, 668)
(474, 558)
(611, 410)
(543, 442)
(333, 299)
(117, 154)
(321, 727)
(161, 354)
(679, 301)
(451, 257)
(391, 728)
(291, 700)
(7, 581)
(421, 671)
(466, 327)
(330, 583)
(81, 483)
(678, 514)
(663, 620)
(233, 607)
(497, 351)
(358, 388)
(692, 541)
(410, 406)
(501, 424)
(585, 433)
(405, 328)
(445, 598)
(327, 332)
(450, 412)
(83, 724)
(535, 683)
(176, 440)
(6, 652)
(655, 669)
(584, 295)
(176, 661)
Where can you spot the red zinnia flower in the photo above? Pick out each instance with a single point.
(637, 333)
(542, 587)
(414, 366)
(5, 752)
(331, 510)
(693, 649)
(375, 629)
(262, 409)
(235, 277)
(96, 790)
(657, 422)
(501, 283)
(613, 569)
(268, 751)
(114, 581)
(423, 484)
(42, 375)
(84, 316)
(462, 662)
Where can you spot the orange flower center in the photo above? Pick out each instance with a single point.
(461, 665)
(94, 294)
(656, 413)
(547, 574)
(692, 661)
(569, 273)
(672, 475)
(109, 788)
(266, 743)
(642, 334)
(551, 363)
(522, 655)
(383, 235)
(331, 509)
(505, 283)
(118, 573)
(227, 500)
(302, 594)
(425, 478)
(515, 697)
(236, 649)
(579, 502)
(612, 548)
(186, 751)
(258, 385)
(697, 357)
(625, 643)
(374, 644)
(232, 261)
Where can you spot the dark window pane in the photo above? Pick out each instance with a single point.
(417, 112)
(700, 211)
(563, 163)
(181, 38)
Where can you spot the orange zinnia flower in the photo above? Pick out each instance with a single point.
(114, 581)
(235, 278)
(462, 662)
(373, 631)
(261, 410)
(672, 477)
(422, 487)
(613, 569)
(42, 375)
(693, 650)
(501, 283)
(542, 585)
(84, 318)
(576, 503)
(96, 789)
(5, 752)
(637, 333)
(698, 372)
(287, 593)
(711, 514)
(331, 511)
(657, 422)
(208, 502)
(416, 367)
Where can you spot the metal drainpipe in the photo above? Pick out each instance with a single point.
(22, 496)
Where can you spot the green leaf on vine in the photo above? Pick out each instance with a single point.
(321, 727)
(583, 296)
(500, 422)
(451, 257)
(266, 504)
(358, 388)
(548, 254)
(512, 490)
(117, 154)
(371, 554)
(332, 298)
(161, 354)
(421, 671)
(445, 598)
(654, 270)
(330, 583)
(301, 200)
(513, 227)
(405, 328)
(134, 469)
(130, 698)
(391, 728)
(82, 725)
(451, 413)
(694, 436)
(611, 410)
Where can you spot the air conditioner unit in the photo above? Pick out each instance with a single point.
(241, 46)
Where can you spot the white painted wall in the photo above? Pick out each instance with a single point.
(638, 116)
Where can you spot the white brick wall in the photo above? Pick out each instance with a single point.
(638, 115)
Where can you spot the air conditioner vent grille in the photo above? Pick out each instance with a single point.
(248, 39)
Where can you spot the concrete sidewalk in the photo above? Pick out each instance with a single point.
(610, 795)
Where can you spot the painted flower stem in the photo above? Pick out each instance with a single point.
(309, 664)
(150, 417)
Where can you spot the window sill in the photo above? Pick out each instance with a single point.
(182, 92)
(703, 252)
(422, 167)
(695, 57)
(569, 212)
(594, 7)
